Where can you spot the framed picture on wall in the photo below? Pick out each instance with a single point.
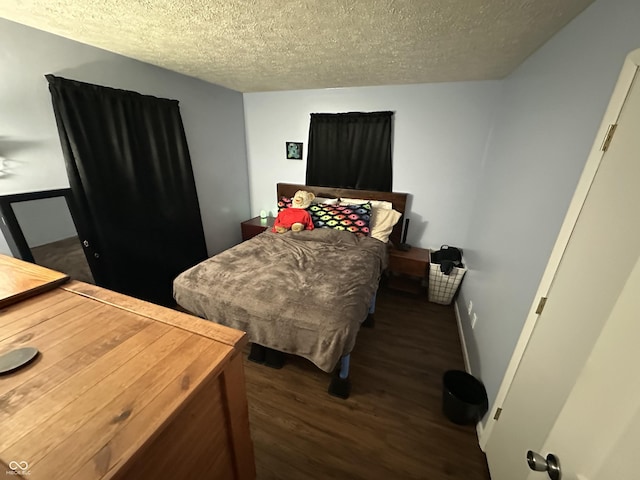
(294, 150)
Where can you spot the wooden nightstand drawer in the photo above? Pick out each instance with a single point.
(408, 270)
(408, 266)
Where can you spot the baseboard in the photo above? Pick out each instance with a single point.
(465, 356)
(480, 432)
(463, 344)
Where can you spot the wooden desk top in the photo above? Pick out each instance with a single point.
(19, 280)
(260, 222)
(112, 372)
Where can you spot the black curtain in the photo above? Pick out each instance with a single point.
(134, 200)
(350, 150)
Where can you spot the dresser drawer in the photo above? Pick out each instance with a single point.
(408, 266)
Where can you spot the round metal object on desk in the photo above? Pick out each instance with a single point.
(17, 358)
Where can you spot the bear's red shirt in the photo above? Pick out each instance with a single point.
(289, 216)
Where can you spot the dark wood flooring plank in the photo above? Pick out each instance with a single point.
(391, 427)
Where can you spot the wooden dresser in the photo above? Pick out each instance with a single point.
(121, 388)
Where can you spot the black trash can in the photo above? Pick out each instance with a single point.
(464, 398)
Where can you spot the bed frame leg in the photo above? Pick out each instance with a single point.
(257, 353)
(273, 358)
(370, 321)
(266, 356)
(340, 385)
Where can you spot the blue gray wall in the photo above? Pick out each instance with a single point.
(548, 115)
(213, 118)
(439, 134)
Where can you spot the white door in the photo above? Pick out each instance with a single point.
(561, 399)
(597, 434)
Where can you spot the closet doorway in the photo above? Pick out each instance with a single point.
(39, 228)
(133, 194)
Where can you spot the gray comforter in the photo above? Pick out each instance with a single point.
(304, 293)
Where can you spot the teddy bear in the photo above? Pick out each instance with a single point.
(295, 217)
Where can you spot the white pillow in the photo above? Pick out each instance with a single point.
(374, 203)
(382, 222)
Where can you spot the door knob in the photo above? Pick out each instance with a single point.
(551, 464)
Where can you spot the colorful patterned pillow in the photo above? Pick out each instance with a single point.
(284, 202)
(351, 218)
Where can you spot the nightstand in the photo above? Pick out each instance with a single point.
(251, 228)
(407, 270)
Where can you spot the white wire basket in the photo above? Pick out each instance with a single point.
(442, 288)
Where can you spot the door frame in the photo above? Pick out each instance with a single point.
(627, 75)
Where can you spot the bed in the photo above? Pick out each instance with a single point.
(303, 293)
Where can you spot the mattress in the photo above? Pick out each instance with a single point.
(304, 293)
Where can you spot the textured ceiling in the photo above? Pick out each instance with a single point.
(253, 45)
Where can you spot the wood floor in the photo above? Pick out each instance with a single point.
(392, 425)
(64, 256)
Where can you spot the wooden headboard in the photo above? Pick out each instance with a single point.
(399, 200)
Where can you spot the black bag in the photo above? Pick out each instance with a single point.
(448, 258)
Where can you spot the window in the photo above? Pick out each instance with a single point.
(350, 150)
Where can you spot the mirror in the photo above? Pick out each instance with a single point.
(41, 229)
